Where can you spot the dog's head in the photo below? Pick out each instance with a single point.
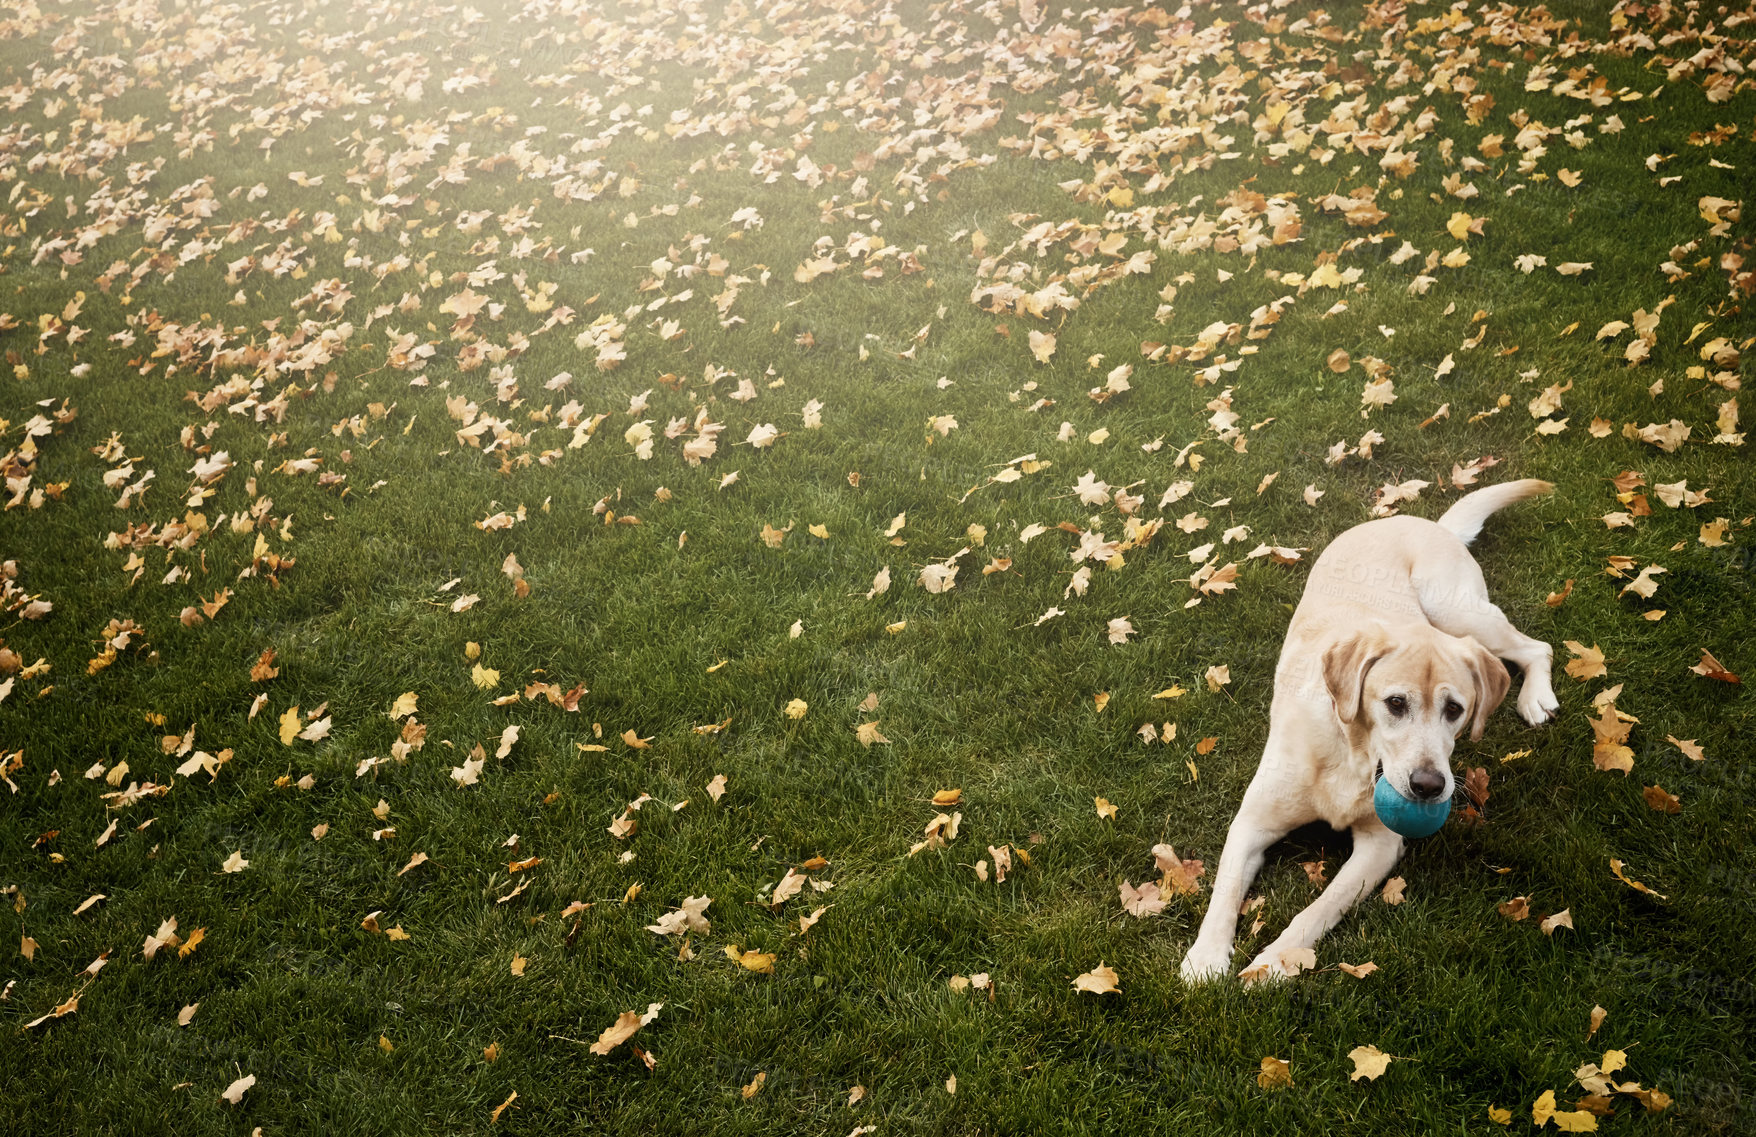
(1406, 696)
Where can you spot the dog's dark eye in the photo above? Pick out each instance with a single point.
(1452, 711)
(1397, 704)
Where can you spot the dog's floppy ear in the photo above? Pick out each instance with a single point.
(1491, 680)
(1345, 664)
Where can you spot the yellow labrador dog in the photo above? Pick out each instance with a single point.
(1395, 648)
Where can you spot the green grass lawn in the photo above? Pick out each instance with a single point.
(385, 339)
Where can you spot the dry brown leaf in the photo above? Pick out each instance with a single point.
(1711, 668)
(623, 1028)
(1663, 802)
(1616, 868)
(1275, 1074)
(1180, 877)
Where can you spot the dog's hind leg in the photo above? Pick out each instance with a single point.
(1456, 602)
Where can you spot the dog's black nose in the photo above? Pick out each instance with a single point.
(1426, 783)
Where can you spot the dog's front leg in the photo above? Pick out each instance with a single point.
(1257, 826)
(1376, 851)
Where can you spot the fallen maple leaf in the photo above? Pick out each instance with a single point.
(806, 923)
(937, 578)
(1711, 668)
(1687, 746)
(289, 725)
(234, 1093)
(690, 917)
(1644, 585)
(623, 1028)
(1608, 751)
(1143, 901)
(1100, 980)
(1369, 1063)
(1616, 867)
(1275, 1074)
(1181, 877)
(166, 936)
(1590, 661)
(760, 962)
(1377, 393)
(1042, 345)
(788, 887)
(1663, 802)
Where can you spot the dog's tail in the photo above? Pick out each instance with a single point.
(1466, 517)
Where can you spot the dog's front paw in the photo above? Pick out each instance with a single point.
(1537, 706)
(1203, 965)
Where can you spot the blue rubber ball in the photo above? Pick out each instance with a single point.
(1409, 818)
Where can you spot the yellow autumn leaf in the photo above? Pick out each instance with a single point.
(290, 724)
(1369, 1062)
(1100, 980)
(761, 962)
